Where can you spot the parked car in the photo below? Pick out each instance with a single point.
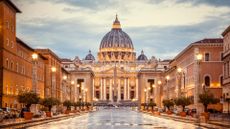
(175, 111)
(10, 113)
(2, 114)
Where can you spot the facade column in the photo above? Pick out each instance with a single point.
(125, 90)
(119, 90)
(93, 90)
(128, 90)
(104, 88)
(136, 89)
(110, 90)
(101, 96)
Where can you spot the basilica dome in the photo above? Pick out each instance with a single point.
(116, 45)
(89, 56)
(142, 57)
(116, 38)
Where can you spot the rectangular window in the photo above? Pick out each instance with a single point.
(7, 89)
(207, 56)
(7, 42)
(16, 67)
(11, 65)
(7, 63)
(7, 25)
(12, 44)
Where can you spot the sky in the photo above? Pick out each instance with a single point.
(161, 28)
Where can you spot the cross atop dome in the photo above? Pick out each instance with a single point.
(116, 23)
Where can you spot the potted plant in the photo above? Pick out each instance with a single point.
(182, 101)
(144, 105)
(76, 104)
(82, 106)
(87, 105)
(28, 98)
(168, 103)
(207, 98)
(68, 105)
(151, 104)
(49, 102)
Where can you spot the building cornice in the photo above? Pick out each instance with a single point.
(226, 31)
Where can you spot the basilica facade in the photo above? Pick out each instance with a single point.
(117, 75)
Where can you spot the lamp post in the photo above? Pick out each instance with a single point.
(181, 74)
(53, 80)
(197, 83)
(145, 90)
(167, 79)
(86, 90)
(34, 71)
(34, 76)
(159, 82)
(71, 90)
(64, 86)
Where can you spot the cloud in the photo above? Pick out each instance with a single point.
(162, 28)
(216, 3)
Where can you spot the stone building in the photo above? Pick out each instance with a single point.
(52, 75)
(117, 76)
(226, 71)
(197, 68)
(17, 67)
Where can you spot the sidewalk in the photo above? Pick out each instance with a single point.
(189, 119)
(21, 123)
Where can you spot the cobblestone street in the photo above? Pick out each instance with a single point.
(116, 119)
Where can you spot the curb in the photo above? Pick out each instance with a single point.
(187, 120)
(29, 123)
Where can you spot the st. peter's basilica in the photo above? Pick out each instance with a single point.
(117, 75)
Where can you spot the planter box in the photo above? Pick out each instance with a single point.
(67, 111)
(28, 115)
(169, 112)
(48, 114)
(157, 113)
(183, 114)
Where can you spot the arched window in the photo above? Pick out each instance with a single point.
(207, 81)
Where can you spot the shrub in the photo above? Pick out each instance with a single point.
(28, 98)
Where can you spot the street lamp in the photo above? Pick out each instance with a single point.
(64, 77)
(53, 71)
(167, 79)
(159, 82)
(34, 75)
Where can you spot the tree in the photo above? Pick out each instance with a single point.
(207, 98)
(68, 104)
(151, 104)
(168, 103)
(182, 101)
(50, 102)
(76, 104)
(28, 98)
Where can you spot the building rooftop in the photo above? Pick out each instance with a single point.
(12, 5)
(210, 40)
(226, 31)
